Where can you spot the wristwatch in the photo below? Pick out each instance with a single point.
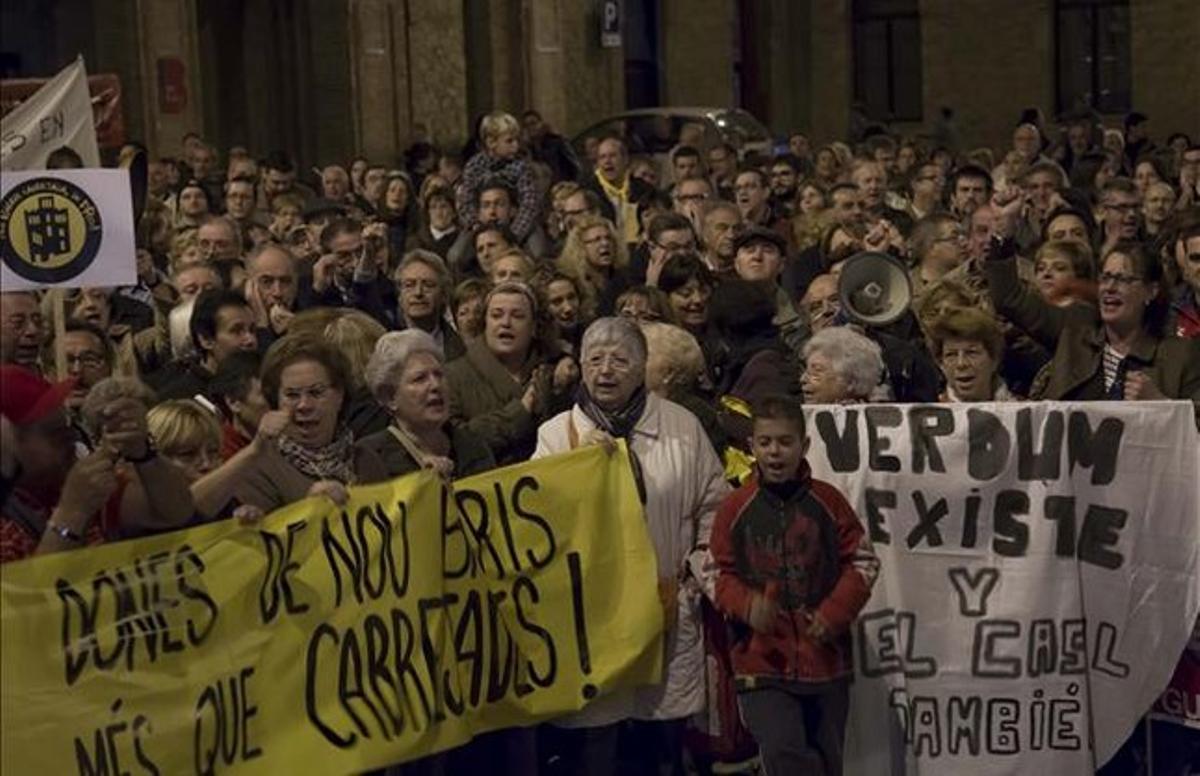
(149, 455)
(64, 533)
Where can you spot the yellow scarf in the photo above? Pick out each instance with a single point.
(627, 222)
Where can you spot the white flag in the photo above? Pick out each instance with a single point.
(58, 114)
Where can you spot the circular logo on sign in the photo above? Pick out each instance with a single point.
(49, 230)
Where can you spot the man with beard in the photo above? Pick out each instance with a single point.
(279, 177)
(785, 178)
(22, 330)
(970, 188)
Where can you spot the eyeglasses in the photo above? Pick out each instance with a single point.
(1126, 207)
(690, 197)
(413, 285)
(314, 392)
(616, 363)
(85, 360)
(966, 356)
(673, 247)
(1118, 279)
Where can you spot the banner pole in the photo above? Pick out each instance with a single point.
(58, 311)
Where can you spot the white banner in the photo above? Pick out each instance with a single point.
(66, 229)
(1041, 574)
(58, 114)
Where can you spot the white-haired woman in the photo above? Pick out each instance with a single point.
(682, 484)
(841, 366)
(406, 375)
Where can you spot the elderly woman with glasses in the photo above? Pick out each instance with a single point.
(842, 366)
(682, 484)
(304, 447)
(1115, 351)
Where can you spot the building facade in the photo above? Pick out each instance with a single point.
(330, 79)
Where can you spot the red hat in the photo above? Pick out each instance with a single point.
(26, 398)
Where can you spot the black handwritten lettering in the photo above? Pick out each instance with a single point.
(927, 520)
(973, 589)
(988, 445)
(1011, 536)
(1044, 464)
(926, 423)
(1097, 449)
(877, 501)
(841, 448)
(1100, 534)
(881, 417)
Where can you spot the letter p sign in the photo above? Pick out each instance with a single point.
(610, 24)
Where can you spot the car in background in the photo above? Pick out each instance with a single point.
(655, 131)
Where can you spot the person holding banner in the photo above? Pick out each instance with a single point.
(313, 453)
(406, 374)
(58, 503)
(794, 568)
(682, 482)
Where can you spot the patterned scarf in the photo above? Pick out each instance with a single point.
(334, 461)
(617, 423)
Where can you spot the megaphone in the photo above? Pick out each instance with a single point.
(874, 288)
(139, 171)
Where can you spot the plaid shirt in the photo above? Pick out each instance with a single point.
(514, 173)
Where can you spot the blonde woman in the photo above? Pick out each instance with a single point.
(595, 253)
(188, 435)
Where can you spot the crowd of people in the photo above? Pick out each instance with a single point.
(291, 335)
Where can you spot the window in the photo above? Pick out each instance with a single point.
(1092, 62)
(887, 59)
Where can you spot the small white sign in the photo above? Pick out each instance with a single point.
(610, 24)
(66, 229)
(59, 114)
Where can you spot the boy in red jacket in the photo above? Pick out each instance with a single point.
(794, 569)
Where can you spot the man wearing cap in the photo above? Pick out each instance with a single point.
(758, 256)
(52, 505)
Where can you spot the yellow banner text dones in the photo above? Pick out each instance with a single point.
(334, 639)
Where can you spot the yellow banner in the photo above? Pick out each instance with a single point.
(330, 639)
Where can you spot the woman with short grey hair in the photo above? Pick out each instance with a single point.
(681, 482)
(406, 375)
(842, 367)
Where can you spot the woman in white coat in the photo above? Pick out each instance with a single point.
(682, 483)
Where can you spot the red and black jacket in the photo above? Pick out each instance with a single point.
(806, 550)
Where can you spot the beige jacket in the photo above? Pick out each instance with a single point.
(684, 486)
